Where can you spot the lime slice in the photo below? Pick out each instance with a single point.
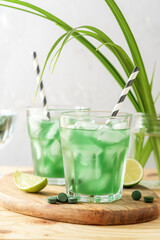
(133, 173)
(28, 182)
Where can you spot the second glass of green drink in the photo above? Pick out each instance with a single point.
(94, 147)
(44, 133)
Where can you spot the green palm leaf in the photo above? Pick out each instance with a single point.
(84, 41)
(48, 56)
(152, 78)
(142, 98)
(117, 50)
(142, 76)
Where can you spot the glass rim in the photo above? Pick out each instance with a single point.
(147, 115)
(8, 112)
(72, 114)
(57, 108)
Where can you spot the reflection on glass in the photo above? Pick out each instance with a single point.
(7, 124)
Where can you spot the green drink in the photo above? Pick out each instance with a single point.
(94, 157)
(46, 147)
(44, 135)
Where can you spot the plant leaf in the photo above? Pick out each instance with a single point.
(145, 152)
(84, 41)
(47, 58)
(142, 78)
(158, 95)
(59, 50)
(153, 73)
(118, 52)
(24, 10)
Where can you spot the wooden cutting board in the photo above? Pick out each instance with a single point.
(124, 211)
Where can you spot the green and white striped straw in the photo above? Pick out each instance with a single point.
(124, 92)
(42, 91)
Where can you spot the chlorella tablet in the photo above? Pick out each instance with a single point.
(136, 195)
(148, 199)
(72, 199)
(62, 197)
(52, 200)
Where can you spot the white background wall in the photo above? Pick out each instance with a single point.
(78, 78)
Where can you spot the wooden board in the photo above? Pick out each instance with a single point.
(124, 211)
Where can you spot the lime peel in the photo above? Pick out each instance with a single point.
(28, 182)
(133, 173)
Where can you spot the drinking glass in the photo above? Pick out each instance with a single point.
(7, 125)
(44, 133)
(145, 143)
(94, 147)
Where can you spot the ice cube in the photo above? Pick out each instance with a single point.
(53, 150)
(116, 123)
(36, 150)
(111, 136)
(87, 163)
(68, 161)
(91, 125)
(34, 128)
(41, 128)
(50, 129)
(105, 183)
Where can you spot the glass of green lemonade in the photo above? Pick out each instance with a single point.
(94, 147)
(44, 133)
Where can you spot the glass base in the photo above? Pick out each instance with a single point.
(98, 198)
(56, 181)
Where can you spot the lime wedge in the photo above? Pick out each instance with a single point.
(133, 173)
(28, 182)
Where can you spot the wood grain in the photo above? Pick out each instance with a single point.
(124, 211)
(18, 226)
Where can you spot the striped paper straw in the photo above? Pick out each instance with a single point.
(42, 92)
(124, 92)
